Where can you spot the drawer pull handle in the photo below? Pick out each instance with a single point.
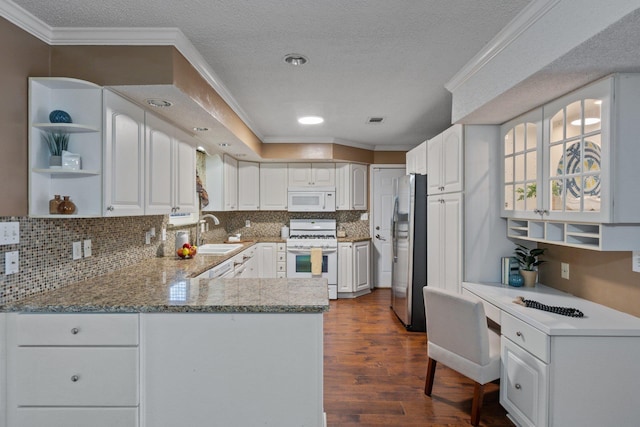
(75, 331)
(75, 378)
(519, 333)
(518, 386)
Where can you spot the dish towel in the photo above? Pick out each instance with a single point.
(316, 261)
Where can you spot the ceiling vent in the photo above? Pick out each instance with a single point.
(375, 120)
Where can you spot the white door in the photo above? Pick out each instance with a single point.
(382, 209)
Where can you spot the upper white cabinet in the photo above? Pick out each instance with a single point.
(273, 186)
(583, 166)
(83, 102)
(416, 160)
(351, 186)
(124, 163)
(171, 169)
(248, 186)
(312, 175)
(230, 182)
(444, 161)
(222, 183)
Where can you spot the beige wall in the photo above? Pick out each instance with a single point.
(603, 277)
(22, 56)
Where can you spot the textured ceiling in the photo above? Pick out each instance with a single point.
(366, 57)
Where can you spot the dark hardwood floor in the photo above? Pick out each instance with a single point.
(374, 373)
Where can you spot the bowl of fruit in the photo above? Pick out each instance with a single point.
(186, 251)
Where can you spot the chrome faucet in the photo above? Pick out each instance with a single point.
(202, 220)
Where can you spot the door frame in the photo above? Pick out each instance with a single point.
(374, 268)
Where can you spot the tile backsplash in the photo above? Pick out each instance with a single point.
(45, 247)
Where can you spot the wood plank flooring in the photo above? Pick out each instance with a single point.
(374, 373)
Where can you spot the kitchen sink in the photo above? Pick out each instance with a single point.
(218, 248)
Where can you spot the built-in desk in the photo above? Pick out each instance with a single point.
(563, 371)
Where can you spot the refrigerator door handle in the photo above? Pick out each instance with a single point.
(394, 224)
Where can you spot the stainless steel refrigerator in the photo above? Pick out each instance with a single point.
(409, 266)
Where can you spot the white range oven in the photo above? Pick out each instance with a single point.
(305, 234)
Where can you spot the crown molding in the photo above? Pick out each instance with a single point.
(25, 20)
(527, 17)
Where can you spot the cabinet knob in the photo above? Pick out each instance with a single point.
(75, 378)
(519, 333)
(75, 331)
(518, 386)
(177, 208)
(110, 208)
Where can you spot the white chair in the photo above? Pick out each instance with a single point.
(458, 337)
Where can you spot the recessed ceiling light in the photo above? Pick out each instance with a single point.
(295, 59)
(200, 129)
(587, 122)
(310, 120)
(224, 144)
(159, 103)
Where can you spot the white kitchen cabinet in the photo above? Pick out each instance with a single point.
(273, 186)
(230, 183)
(416, 160)
(222, 183)
(83, 102)
(3, 368)
(351, 186)
(74, 367)
(124, 157)
(312, 175)
(445, 241)
(281, 261)
(171, 169)
(444, 161)
(248, 186)
(267, 260)
(353, 269)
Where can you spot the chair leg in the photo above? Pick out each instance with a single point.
(431, 373)
(478, 394)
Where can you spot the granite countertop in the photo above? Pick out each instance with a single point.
(170, 285)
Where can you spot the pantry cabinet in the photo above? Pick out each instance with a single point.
(248, 186)
(312, 175)
(444, 241)
(171, 169)
(351, 186)
(574, 175)
(273, 186)
(444, 161)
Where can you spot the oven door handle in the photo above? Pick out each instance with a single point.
(308, 251)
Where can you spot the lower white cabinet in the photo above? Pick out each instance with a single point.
(281, 260)
(72, 369)
(353, 269)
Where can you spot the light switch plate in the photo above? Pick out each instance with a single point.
(635, 261)
(11, 262)
(9, 233)
(77, 250)
(87, 248)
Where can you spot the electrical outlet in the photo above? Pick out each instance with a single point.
(9, 233)
(147, 238)
(87, 248)
(164, 234)
(11, 262)
(77, 250)
(564, 270)
(152, 232)
(247, 223)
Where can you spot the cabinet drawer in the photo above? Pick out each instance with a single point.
(80, 376)
(281, 247)
(281, 275)
(281, 266)
(77, 329)
(490, 310)
(523, 385)
(282, 257)
(77, 417)
(531, 339)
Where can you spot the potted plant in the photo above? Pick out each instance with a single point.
(57, 143)
(528, 260)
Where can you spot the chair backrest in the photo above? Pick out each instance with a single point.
(457, 323)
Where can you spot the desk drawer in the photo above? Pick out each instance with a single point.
(77, 329)
(75, 376)
(490, 310)
(526, 336)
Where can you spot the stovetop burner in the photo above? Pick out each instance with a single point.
(312, 236)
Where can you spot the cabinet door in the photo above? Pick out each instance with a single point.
(434, 165)
(273, 186)
(230, 183)
(159, 159)
(343, 187)
(300, 175)
(359, 196)
(452, 157)
(444, 241)
(248, 186)
(416, 159)
(323, 174)
(186, 197)
(267, 260)
(123, 157)
(345, 267)
(361, 266)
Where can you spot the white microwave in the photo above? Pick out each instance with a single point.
(312, 199)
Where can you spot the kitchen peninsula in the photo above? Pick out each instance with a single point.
(151, 345)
